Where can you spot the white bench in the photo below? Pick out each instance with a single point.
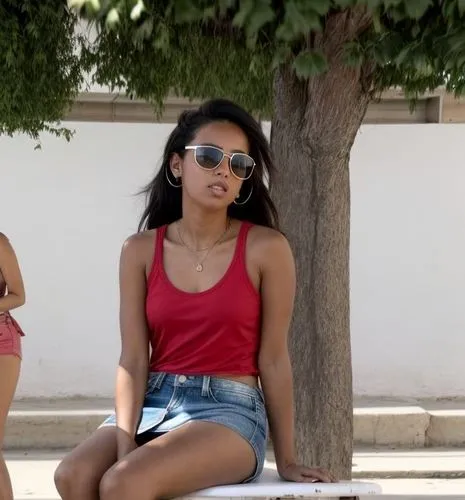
(271, 486)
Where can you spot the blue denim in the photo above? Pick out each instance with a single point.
(173, 400)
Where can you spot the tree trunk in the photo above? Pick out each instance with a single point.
(313, 129)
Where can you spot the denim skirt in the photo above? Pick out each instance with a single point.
(173, 400)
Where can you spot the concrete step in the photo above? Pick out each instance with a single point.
(32, 473)
(420, 489)
(427, 463)
(63, 423)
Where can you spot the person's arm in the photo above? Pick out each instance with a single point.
(132, 371)
(278, 283)
(9, 267)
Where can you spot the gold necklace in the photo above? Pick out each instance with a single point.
(199, 264)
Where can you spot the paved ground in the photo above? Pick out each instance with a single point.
(32, 473)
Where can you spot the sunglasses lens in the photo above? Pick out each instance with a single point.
(208, 157)
(242, 165)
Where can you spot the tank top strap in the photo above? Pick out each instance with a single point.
(161, 232)
(157, 263)
(242, 240)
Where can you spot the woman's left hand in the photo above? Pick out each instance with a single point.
(302, 474)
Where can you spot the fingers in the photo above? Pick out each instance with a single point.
(308, 475)
(308, 479)
(319, 474)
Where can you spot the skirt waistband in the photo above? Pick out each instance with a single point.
(205, 382)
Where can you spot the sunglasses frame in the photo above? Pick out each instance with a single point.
(230, 156)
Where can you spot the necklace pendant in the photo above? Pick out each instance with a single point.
(199, 268)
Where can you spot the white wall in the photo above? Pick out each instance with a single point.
(69, 207)
(408, 260)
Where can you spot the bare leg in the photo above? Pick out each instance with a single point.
(9, 373)
(197, 455)
(78, 475)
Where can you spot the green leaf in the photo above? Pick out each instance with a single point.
(353, 54)
(92, 7)
(282, 54)
(343, 4)
(251, 41)
(144, 31)
(162, 37)
(285, 32)
(76, 4)
(209, 13)
(373, 4)
(112, 18)
(379, 55)
(403, 55)
(254, 65)
(310, 63)
(461, 6)
(94, 4)
(456, 42)
(304, 20)
(224, 5)
(416, 8)
(321, 7)
(460, 62)
(246, 7)
(261, 14)
(423, 66)
(137, 10)
(391, 3)
(186, 12)
(377, 22)
(448, 8)
(298, 21)
(415, 30)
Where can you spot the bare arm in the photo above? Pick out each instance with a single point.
(278, 291)
(278, 283)
(12, 275)
(132, 371)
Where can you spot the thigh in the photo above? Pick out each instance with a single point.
(197, 455)
(9, 374)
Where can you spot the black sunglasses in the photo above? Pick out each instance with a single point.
(210, 157)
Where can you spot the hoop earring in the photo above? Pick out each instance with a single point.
(171, 183)
(246, 200)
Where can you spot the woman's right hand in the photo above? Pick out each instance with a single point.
(125, 444)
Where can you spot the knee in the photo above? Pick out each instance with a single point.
(122, 482)
(68, 475)
(62, 477)
(115, 485)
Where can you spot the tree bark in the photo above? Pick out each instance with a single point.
(314, 126)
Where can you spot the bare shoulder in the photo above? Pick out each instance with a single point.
(266, 238)
(138, 248)
(8, 257)
(138, 241)
(5, 244)
(268, 245)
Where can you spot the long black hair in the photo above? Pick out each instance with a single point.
(164, 202)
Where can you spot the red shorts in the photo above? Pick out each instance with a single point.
(10, 335)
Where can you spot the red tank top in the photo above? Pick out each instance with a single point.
(206, 333)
